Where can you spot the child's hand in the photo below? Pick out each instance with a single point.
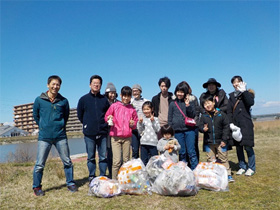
(166, 147)
(110, 117)
(223, 144)
(171, 146)
(131, 122)
(205, 128)
(140, 120)
(187, 101)
(152, 118)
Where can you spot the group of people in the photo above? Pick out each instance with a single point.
(116, 127)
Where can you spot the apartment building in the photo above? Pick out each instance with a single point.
(23, 119)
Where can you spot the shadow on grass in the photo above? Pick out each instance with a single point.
(79, 183)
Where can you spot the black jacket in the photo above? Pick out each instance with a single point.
(91, 110)
(218, 128)
(156, 102)
(241, 117)
(222, 100)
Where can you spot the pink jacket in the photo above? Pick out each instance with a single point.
(121, 117)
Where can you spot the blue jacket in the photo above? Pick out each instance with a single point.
(91, 111)
(51, 117)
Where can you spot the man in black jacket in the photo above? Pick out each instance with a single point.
(91, 111)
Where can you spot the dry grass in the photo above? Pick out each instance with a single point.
(258, 192)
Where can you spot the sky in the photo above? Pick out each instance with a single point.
(138, 42)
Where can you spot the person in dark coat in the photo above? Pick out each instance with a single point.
(238, 111)
(213, 89)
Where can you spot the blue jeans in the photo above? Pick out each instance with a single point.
(101, 142)
(187, 141)
(147, 151)
(250, 155)
(135, 143)
(44, 148)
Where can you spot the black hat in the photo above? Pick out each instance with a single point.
(213, 81)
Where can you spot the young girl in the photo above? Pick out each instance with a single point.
(124, 120)
(148, 126)
(168, 145)
(184, 134)
(239, 106)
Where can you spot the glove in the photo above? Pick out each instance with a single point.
(237, 135)
(242, 87)
(233, 127)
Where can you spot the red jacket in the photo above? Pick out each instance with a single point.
(121, 116)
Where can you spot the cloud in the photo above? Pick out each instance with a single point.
(266, 107)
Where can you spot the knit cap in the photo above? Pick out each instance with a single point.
(136, 86)
(110, 87)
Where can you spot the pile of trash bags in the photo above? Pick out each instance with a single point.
(162, 176)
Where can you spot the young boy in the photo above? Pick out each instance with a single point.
(124, 118)
(214, 124)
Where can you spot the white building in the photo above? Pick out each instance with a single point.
(9, 131)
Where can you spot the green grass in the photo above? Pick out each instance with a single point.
(261, 191)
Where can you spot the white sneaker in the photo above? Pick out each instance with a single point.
(249, 172)
(240, 171)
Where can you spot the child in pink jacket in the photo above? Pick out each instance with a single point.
(122, 118)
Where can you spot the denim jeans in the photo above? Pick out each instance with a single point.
(250, 155)
(187, 141)
(91, 143)
(44, 148)
(147, 151)
(135, 143)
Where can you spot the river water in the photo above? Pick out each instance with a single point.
(76, 145)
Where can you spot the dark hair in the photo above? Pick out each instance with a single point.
(207, 98)
(126, 91)
(95, 77)
(106, 94)
(149, 104)
(236, 77)
(167, 129)
(54, 77)
(166, 80)
(189, 87)
(182, 87)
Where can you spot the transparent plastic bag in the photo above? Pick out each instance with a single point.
(176, 180)
(104, 187)
(133, 178)
(211, 176)
(156, 165)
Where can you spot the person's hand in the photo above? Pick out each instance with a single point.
(152, 117)
(187, 101)
(166, 147)
(171, 146)
(110, 117)
(205, 128)
(223, 144)
(131, 122)
(242, 87)
(140, 120)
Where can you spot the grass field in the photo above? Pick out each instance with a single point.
(262, 191)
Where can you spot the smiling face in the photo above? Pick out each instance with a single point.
(95, 86)
(235, 83)
(147, 111)
(180, 94)
(136, 93)
(212, 88)
(209, 106)
(54, 87)
(125, 99)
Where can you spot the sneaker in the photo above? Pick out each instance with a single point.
(240, 171)
(230, 179)
(249, 172)
(72, 188)
(38, 191)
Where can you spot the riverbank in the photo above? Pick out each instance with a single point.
(26, 139)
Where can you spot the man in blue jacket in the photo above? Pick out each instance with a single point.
(51, 112)
(91, 111)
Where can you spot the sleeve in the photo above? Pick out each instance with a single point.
(80, 110)
(201, 124)
(36, 114)
(67, 112)
(224, 104)
(177, 147)
(110, 111)
(170, 114)
(156, 125)
(230, 110)
(135, 118)
(141, 127)
(226, 130)
(201, 108)
(160, 146)
(248, 99)
(190, 111)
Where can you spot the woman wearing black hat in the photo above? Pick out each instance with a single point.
(213, 89)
